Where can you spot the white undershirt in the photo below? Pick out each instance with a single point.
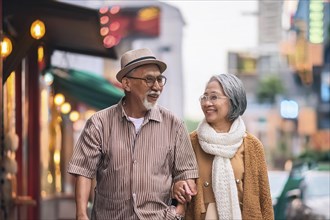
(137, 123)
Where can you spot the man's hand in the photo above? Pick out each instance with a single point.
(183, 190)
(192, 186)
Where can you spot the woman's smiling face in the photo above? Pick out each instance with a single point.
(216, 106)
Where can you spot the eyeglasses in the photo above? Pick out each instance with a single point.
(212, 98)
(150, 80)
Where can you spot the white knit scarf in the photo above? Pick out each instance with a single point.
(223, 146)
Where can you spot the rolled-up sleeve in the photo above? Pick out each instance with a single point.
(87, 152)
(185, 165)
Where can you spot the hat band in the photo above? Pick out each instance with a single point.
(139, 59)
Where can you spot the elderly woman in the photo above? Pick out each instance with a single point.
(233, 181)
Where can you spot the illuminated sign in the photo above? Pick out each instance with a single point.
(118, 23)
(242, 63)
(289, 109)
(325, 86)
(316, 21)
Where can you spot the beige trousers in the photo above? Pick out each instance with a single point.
(211, 212)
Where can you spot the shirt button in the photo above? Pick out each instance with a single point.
(206, 184)
(237, 181)
(134, 161)
(134, 197)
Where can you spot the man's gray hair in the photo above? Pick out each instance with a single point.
(235, 91)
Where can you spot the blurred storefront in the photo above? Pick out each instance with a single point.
(304, 49)
(287, 78)
(45, 104)
(136, 24)
(36, 134)
(309, 58)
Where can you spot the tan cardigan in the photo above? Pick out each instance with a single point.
(257, 203)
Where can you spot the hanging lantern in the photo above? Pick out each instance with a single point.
(6, 47)
(38, 29)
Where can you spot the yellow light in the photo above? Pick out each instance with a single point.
(146, 14)
(89, 113)
(57, 157)
(38, 29)
(6, 47)
(59, 99)
(104, 31)
(74, 116)
(49, 178)
(40, 53)
(59, 119)
(65, 108)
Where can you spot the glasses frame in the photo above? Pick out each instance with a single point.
(204, 98)
(151, 83)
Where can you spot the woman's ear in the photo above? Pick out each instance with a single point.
(126, 84)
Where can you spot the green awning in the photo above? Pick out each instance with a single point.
(85, 87)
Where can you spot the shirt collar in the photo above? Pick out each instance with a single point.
(153, 114)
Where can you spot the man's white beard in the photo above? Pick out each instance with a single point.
(148, 105)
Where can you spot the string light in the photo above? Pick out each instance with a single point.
(74, 116)
(65, 108)
(59, 99)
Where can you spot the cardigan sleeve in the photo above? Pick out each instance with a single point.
(257, 202)
(265, 201)
(196, 207)
(264, 188)
(189, 215)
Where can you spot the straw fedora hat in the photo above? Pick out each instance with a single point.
(135, 58)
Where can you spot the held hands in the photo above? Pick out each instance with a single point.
(183, 190)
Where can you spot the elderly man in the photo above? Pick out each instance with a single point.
(136, 150)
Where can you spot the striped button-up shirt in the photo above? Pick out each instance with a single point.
(134, 171)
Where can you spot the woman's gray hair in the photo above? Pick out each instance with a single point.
(235, 91)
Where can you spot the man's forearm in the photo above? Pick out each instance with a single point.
(83, 187)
